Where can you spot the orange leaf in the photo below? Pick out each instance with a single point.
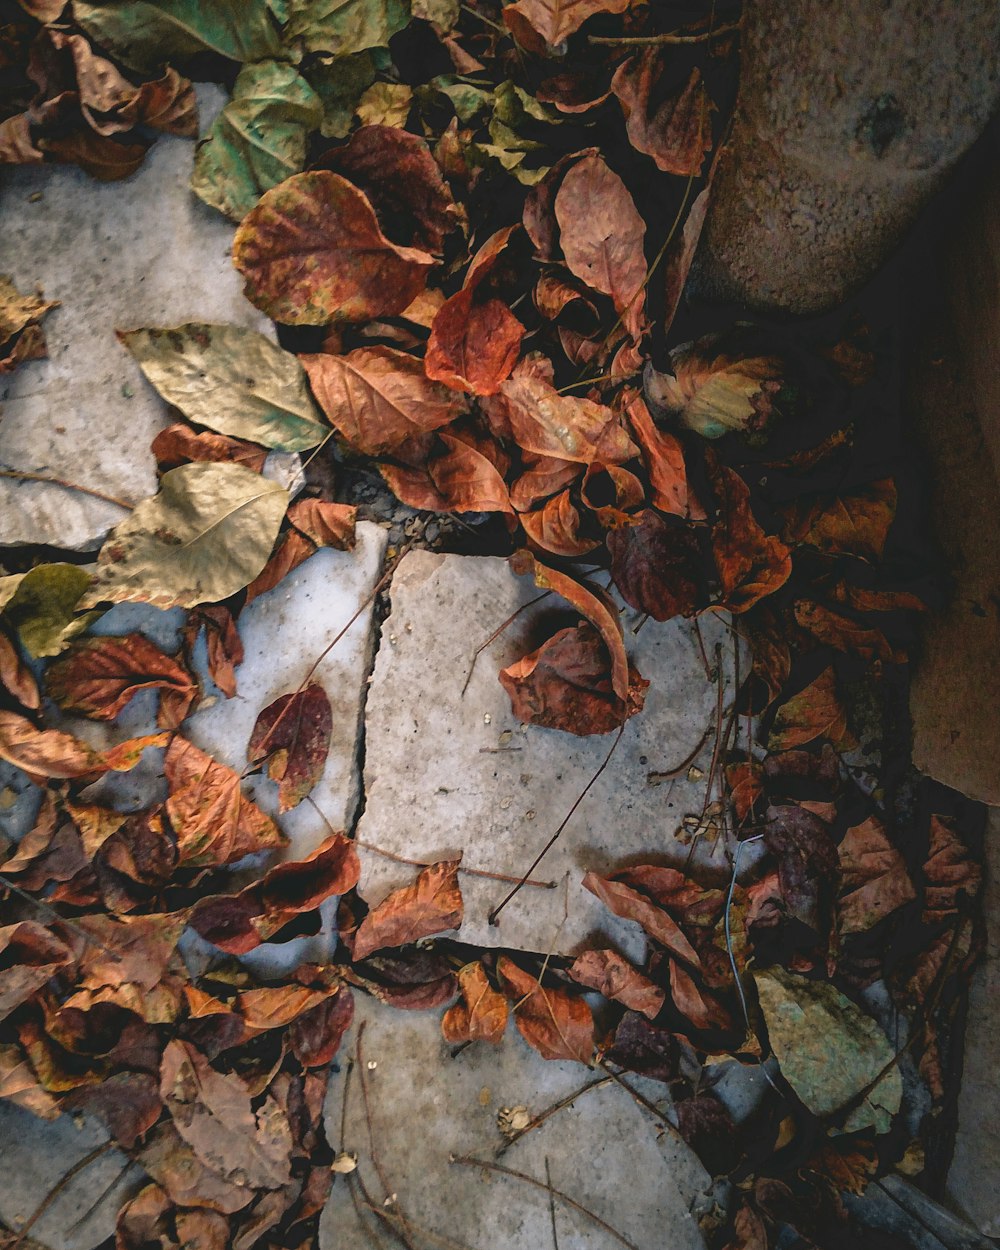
(556, 1024)
(481, 1016)
(537, 23)
(844, 634)
(873, 877)
(326, 524)
(293, 735)
(312, 252)
(276, 1007)
(613, 976)
(215, 823)
(432, 904)
(814, 712)
(178, 444)
(473, 345)
(565, 427)
(378, 397)
(461, 479)
(44, 752)
(628, 903)
(677, 132)
(293, 550)
(543, 476)
(663, 457)
(222, 640)
(700, 1007)
(556, 528)
(751, 564)
(16, 677)
(98, 677)
(854, 524)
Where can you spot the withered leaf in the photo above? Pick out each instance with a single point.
(482, 1013)
(172, 1163)
(325, 524)
(98, 677)
(378, 397)
(45, 752)
(275, 1007)
(314, 1038)
(751, 563)
(613, 976)
(292, 550)
(566, 684)
(843, 633)
(16, 677)
(855, 524)
(301, 885)
(565, 427)
(543, 476)
(474, 344)
(556, 1024)
(537, 23)
(602, 237)
(214, 821)
(459, 479)
(676, 130)
(129, 1103)
(431, 905)
(556, 528)
(212, 1112)
(663, 457)
(696, 1003)
(19, 1085)
(630, 904)
(807, 863)
(815, 712)
(292, 735)
(656, 566)
(21, 336)
(179, 443)
(31, 955)
(312, 252)
(873, 877)
(222, 641)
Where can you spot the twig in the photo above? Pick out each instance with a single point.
(435, 1239)
(496, 634)
(551, 842)
(638, 41)
(653, 1110)
(654, 779)
(552, 1204)
(701, 648)
(58, 1187)
(550, 1111)
(468, 1162)
(404, 1231)
(18, 475)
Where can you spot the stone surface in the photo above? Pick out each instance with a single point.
(849, 117)
(144, 251)
(972, 1179)
(37, 1154)
(447, 773)
(603, 1150)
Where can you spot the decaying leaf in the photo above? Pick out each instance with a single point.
(556, 1024)
(31, 956)
(830, 1052)
(232, 380)
(21, 336)
(566, 427)
(458, 479)
(873, 875)
(656, 566)
(482, 1013)
(663, 457)
(344, 27)
(312, 252)
(179, 443)
(44, 752)
(555, 527)
(43, 605)
(815, 712)
(292, 736)
(752, 564)
(15, 676)
(214, 821)
(631, 904)
(537, 23)
(431, 905)
(473, 345)
(206, 535)
(856, 523)
(614, 977)
(325, 524)
(676, 131)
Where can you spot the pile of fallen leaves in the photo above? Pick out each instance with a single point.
(473, 228)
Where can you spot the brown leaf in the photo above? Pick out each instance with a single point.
(628, 903)
(874, 880)
(132, 950)
(751, 564)
(415, 980)
(539, 25)
(21, 336)
(431, 905)
(222, 641)
(377, 397)
(613, 976)
(815, 712)
(31, 955)
(602, 237)
(566, 684)
(482, 1014)
(18, 148)
(16, 677)
(398, 174)
(609, 491)
(953, 876)
(294, 549)
(595, 609)
(656, 565)
(104, 159)
(325, 524)
(543, 476)
(315, 1037)
(98, 677)
(311, 252)
(565, 427)
(474, 344)
(663, 457)
(51, 851)
(292, 735)
(212, 1113)
(680, 256)
(750, 1230)
(556, 528)
(178, 444)
(676, 130)
(556, 1024)
(44, 752)
(833, 629)
(743, 781)
(698, 1005)
(276, 1007)
(807, 863)
(288, 889)
(19, 1085)
(135, 862)
(214, 821)
(172, 1163)
(862, 600)
(460, 479)
(129, 1103)
(853, 524)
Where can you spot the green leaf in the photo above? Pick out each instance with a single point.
(340, 83)
(257, 140)
(233, 380)
(144, 34)
(344, 26)
(206, 535)
(829, 1051)
(42, 605)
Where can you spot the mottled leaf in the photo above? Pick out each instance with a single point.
(179, 443)
(657, 566)
(874, 880)
(292, 735)
(542, 24)
(431, 905)
(855, 523)
(630, 904)
(473, 345)
(43, 605)
(344, 26)
(566, 427)
(325, 524)
(613, 976)
(100, 676)
(482, 1013)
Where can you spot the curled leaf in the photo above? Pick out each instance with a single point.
(613, 976)
(657, 566)
(100, 676)
(752, 564)
(473, 345)
(815, 712)
(631, 904)
(541, 24)
(556, 528)
(856, 523)
(676, 132)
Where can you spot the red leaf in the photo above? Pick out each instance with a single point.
(481, 1016)
(293, 735)
(473, 345)
(656, 566)
(676, 132)
(431, 905)
(301, 885)
(874, 880)
(751, 564)
(178, 444)
(556, 1024)
(628, 903)
(556, 528)
(613, 976)
(311, 252)
(459, 480)
(315, 1036)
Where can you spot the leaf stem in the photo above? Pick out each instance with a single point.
(645, 41)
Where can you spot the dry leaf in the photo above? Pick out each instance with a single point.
(676, 132)
(178, 444)
(325, 524)
(751, 563)
(482, 1014)
(474, 345)
(100, 676)
(657, 566)
(292, 735)
(556, 1024)
(663, 457)
(853, 524)
(431, 905)
(556, 528)
(31, 956)
(537, 23)
(815, 712)
(630, 904)
(874, 880)
(565, 427)
(613, 976)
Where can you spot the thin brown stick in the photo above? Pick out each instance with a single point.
(639, 41)
(468, 1162)
(356, 1182)
(435, 1239)
(19, 475)
(550, 1111)
(701, 648)
(651, 1107)
(654, 779)
(551, 842)
(58, 1187)
(496, 634)
(404, 1231)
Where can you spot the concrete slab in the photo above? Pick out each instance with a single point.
(447, 772)
(38, 1154)
(603, 1150)
(145, 251)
